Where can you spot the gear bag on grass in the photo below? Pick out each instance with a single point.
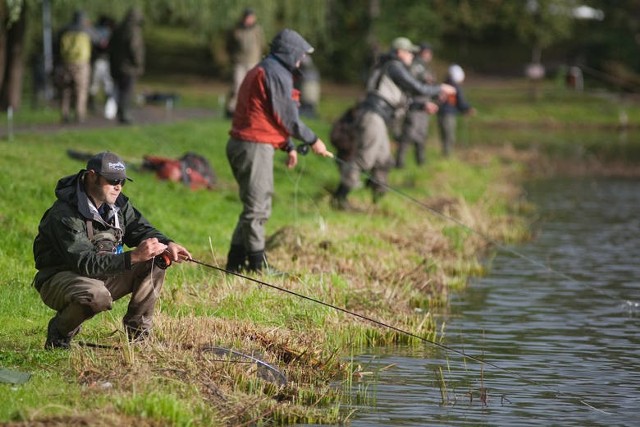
(192, 169)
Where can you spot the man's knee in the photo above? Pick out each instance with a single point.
(97, 299)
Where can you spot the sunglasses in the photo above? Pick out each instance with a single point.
(115, 182)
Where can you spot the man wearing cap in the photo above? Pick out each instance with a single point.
(388, 89)
(80, 253)
(266, 119)
(415, 125)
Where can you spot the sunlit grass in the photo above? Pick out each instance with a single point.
(395, 263)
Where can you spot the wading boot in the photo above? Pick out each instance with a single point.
(377, 195)
(57, 340)
(339, 199)
(236, 259)
(256, 261)
(137, 335)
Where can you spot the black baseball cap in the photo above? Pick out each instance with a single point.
(108, 165)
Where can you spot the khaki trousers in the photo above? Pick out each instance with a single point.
(77, 298)
(77, 91)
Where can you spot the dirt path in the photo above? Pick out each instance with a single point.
(144, 115)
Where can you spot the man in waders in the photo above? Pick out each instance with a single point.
(266, 118)
(80, 257)
(388, 89)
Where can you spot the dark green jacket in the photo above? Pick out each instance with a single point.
(126, 47)
(63, 243)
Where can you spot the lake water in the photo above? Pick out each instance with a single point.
(565, 343)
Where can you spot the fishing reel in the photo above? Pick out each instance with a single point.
(162, 261)
(303, 149)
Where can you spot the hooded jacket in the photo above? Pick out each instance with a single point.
(63, 242)
(267, 109)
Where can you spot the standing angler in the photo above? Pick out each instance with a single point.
(388, 89)
(127, 59)
(266, 118)
(80, 257)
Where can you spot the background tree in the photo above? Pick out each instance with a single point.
(492, 36)
(12, 48)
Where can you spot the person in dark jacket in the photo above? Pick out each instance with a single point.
(388, 89)
(127, 52)
(80, 253)
(266, 119)
(450, 108)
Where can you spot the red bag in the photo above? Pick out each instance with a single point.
(191, 169)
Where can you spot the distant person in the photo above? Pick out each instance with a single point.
(308, 83)
(245, 44)
(81, 258)
(450, 108)
(415, 127)
(74, 55)
(265, 121)
(127, 52)
(388, 88)
(100, 64)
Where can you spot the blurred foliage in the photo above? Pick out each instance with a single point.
(492, 36)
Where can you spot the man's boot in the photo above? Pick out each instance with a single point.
(256, 261)
(236, 259)
(57, 340)
(339, 200)
(137, 335)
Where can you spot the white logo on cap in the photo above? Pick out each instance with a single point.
(116, 166)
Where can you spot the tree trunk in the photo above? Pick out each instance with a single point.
(4, 18)
(13, 64)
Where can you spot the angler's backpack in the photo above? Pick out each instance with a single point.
(344, 133)
(192, 169)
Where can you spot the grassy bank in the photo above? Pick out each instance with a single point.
(395, 262)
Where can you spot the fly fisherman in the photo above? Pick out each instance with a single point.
(388, 89)
(80, 257)
(265, 119)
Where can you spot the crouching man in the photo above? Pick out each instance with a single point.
(80, 257)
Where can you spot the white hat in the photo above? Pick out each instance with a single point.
(456, 73)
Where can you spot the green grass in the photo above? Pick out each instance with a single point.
(383, 263)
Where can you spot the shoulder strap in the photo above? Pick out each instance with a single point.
(89, 229)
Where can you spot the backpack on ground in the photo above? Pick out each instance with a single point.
(192, 169)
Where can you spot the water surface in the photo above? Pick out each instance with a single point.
(562, 327)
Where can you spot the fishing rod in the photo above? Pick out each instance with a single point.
(164, 261)
(485, 236)
(343, 310)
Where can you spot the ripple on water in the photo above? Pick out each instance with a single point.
(566, 345)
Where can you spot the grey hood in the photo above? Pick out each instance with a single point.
(289, 47)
